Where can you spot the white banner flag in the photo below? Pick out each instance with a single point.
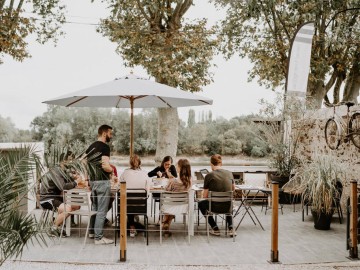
(299, 62)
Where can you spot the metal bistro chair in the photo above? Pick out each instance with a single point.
(176, 201)
(220, 203)
(136, 204)
(78, 198)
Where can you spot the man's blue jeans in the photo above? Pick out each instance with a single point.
(100, 196)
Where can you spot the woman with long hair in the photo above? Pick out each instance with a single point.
(183, 183)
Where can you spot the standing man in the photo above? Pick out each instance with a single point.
(100, 184)
(219, 180)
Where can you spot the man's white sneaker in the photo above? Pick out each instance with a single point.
(133, 232)
(231, 232)
(103, 241)
(91, 235)
(215, 232)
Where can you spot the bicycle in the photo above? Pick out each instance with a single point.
(337, 129)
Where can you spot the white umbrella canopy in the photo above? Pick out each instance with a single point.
(130, 91)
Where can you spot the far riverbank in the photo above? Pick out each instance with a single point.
(123, 161)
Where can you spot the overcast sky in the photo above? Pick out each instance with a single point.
(84, 58)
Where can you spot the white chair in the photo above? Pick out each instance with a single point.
(174, 203)
(78, 197)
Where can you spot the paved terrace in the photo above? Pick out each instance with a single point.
(299, 244)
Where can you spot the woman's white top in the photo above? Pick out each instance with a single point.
(136, 179)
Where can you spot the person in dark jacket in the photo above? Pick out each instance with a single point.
(51, 191)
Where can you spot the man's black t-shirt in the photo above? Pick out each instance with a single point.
(97, 150)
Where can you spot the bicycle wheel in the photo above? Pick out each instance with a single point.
(332, 134)
(354, 129)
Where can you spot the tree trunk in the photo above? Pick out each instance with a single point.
(167, 138)
(352, 86)
(317, 94)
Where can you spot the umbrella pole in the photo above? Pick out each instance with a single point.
(132, 126)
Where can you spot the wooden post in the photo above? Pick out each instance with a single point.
(132, 126)
(353, 251)
(274, 223)
(123, 221)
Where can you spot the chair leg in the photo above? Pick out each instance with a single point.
(79, 225)
(61, 232)
(234, 234)
(207, 228)
(146, 221)
(184, 222)
(338, 207)
(151, 206)
(87, 231)
(161, 219)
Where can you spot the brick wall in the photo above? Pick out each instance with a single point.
(314, 142)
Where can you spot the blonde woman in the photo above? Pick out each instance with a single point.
(135, 177)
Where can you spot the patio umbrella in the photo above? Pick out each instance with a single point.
(130, 91)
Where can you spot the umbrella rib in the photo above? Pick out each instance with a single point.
(140, 97)
(76, 101)
(165, 102)
(205, 102)
(117, 103)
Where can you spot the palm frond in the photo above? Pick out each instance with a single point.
(17, 172)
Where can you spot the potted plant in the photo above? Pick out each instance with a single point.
(320, 182)
(282, 128)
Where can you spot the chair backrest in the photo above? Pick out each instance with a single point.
(255, 179)
(221, 202)
(136, 199)
(76, 197)
(174, 198)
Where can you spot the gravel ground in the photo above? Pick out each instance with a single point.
(13, 265)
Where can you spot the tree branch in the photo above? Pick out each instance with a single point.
(185, 6)
(331, 81)
(142, 10)
(284, 26)
(2, 3)
(336, 94)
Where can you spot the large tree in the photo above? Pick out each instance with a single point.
(175, 51)
(19, 19)
(263, 30)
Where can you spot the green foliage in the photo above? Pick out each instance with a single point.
(317, 181)
(262, 31)
(156, 36)
(17, 25)
(282, 146)
(8, 131)
(16, 227)
(68, 130)
(174, 50)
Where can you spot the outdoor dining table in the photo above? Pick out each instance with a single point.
(246, 203)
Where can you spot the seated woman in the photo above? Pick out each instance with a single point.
(51, 192)
(177, 185)
(166, 169)
(135, 177)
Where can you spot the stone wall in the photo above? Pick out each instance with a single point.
(313, 142)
